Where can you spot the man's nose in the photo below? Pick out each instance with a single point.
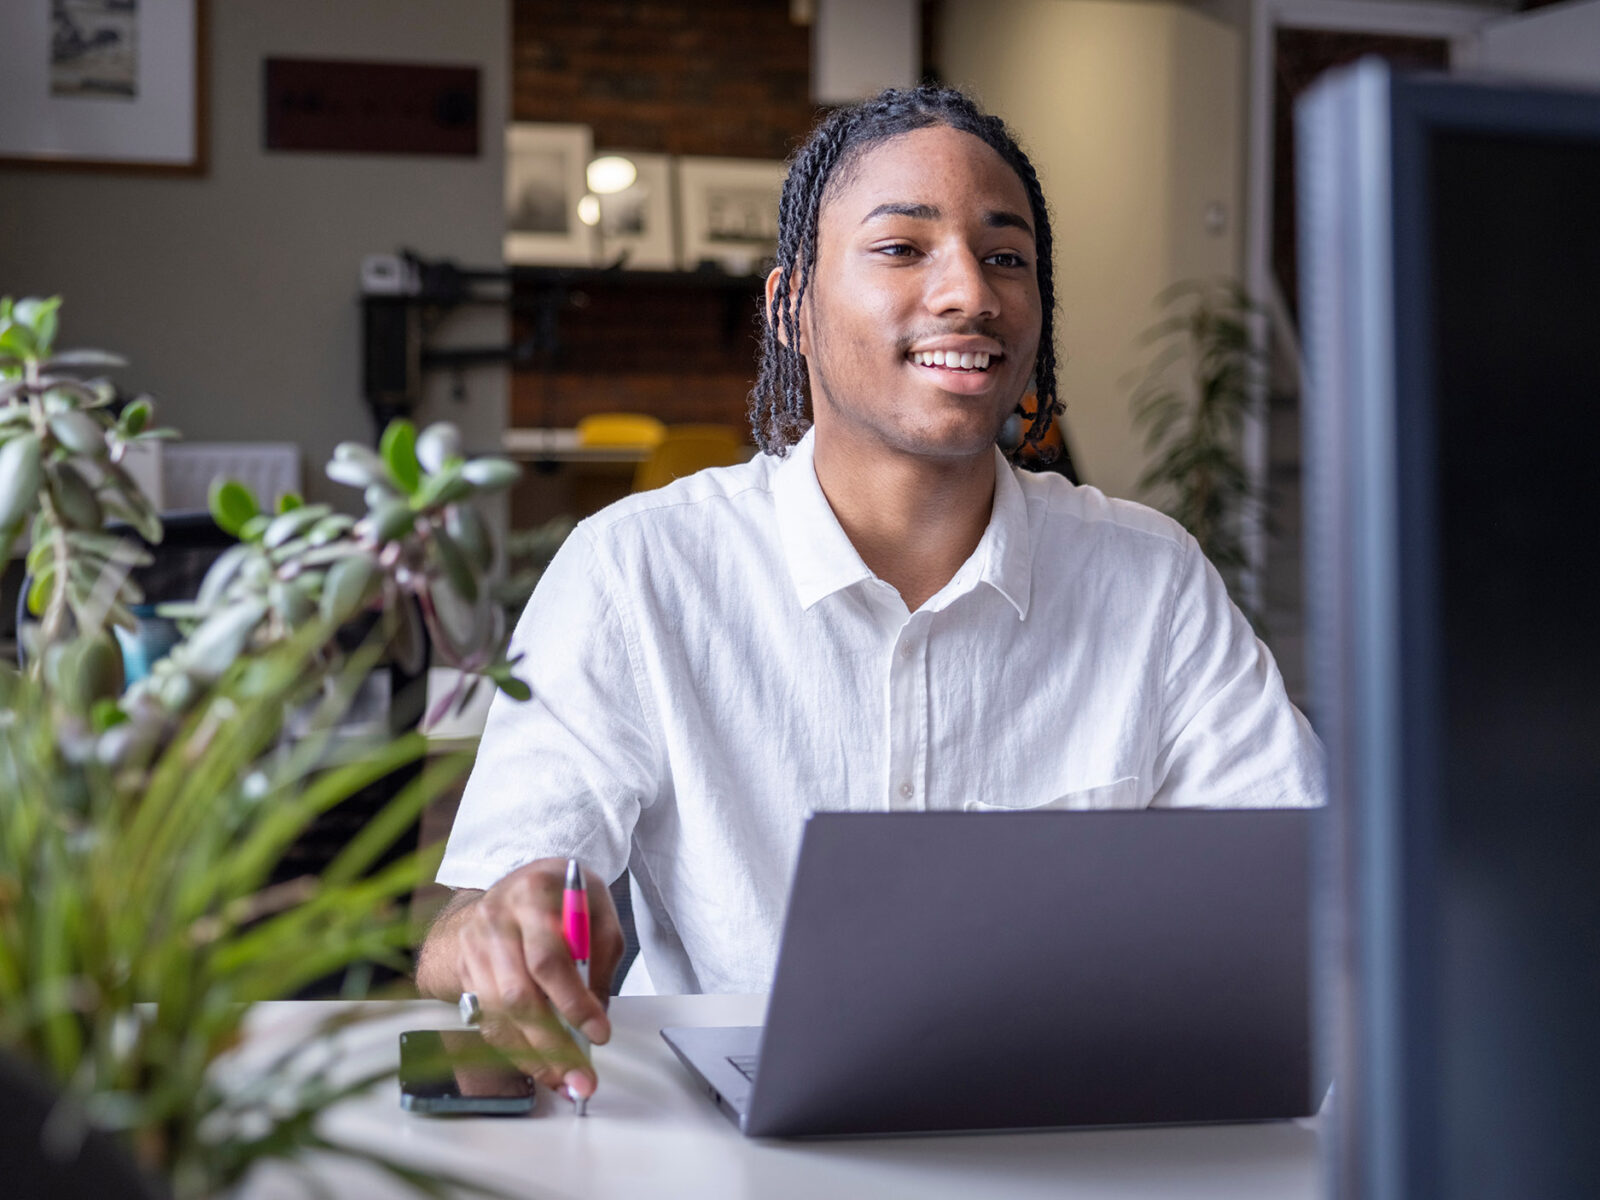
(960, 287)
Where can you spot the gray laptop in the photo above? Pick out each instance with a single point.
(952, 971)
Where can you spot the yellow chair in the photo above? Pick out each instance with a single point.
(620, 429)
(688, 448)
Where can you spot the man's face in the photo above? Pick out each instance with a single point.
(922, 319)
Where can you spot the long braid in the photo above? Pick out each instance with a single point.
(778, 400)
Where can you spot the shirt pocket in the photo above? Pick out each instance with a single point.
(1120, 793)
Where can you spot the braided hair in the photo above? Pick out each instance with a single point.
(778, 400)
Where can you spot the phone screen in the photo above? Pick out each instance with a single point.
(456, 1070)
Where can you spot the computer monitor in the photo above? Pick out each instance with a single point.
(1451, 299)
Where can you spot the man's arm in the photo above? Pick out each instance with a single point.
(1229, 735)
(507, 946)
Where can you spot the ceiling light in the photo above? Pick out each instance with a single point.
(589, 210)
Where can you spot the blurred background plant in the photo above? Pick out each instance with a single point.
(528, 553)
(1191, 401)
(141, 825)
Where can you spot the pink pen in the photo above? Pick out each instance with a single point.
(575, 924)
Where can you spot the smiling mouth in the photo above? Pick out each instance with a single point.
(973, 363)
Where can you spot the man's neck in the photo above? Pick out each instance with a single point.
(912, 521)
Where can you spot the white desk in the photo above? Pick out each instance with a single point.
(652, 1133)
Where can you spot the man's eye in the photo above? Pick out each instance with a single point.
(1008, 259)
(898, 250)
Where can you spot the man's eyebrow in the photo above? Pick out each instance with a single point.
(901, 208)
(1003, 219)
(995, 218)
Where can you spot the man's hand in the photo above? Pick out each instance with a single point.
(507, 945)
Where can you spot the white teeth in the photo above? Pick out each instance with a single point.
(975, 361)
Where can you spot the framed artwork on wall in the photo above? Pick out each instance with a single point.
(729, 212)
(545, 166)
(638, 225)
(106, 85)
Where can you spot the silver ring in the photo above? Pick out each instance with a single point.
(470, 1012)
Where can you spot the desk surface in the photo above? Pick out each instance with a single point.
(652, 1133)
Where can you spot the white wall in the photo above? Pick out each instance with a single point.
(235, 295)
(1132, 115)
(1560, 44)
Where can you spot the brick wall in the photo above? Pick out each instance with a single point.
(726, 77)
(710, 77)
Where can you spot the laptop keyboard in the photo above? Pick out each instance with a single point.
(745, 1064)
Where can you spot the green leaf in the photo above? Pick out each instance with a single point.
(255, 528)
(508, 682)
(232, 504)
(290, 501)
(85, 358)
(292, 523)
(445, 487)
(45, 324)
(329, 528)
(346, 586)
(135, 417)
(80, 433)
(491, 474)
(462, 523)
(105, 713)
(456, 569)
(398, 449)
(21, 477)
(439, 446)
(17, 340)
(391, 520)
(39, 593)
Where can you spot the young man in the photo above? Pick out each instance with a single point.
(877, 613)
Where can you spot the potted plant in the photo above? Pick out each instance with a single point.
(1191, 401)
(139, 826)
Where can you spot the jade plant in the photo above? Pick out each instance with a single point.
(140, 825)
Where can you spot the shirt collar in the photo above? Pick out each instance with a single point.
(822, 559)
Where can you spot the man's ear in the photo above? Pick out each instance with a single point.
(774, 317)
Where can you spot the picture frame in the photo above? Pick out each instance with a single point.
(545, 165)
(729, 212)
(639, 225)
(105, 85)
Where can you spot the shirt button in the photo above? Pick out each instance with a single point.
(907, 791)
(906, 649)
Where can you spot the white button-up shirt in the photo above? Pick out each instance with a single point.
(712, 661)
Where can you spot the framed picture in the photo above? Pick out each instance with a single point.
(729, 210)
(638, 225)
(110, 85)
(545, 167)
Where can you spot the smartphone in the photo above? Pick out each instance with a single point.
(457, 1071)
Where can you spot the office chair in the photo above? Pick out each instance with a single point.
(689, 448)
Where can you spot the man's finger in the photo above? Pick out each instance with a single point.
(506, 1036)
(551, 966)
(543, 1048)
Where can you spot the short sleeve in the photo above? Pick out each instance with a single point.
(1229, 735)
(566, 772)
